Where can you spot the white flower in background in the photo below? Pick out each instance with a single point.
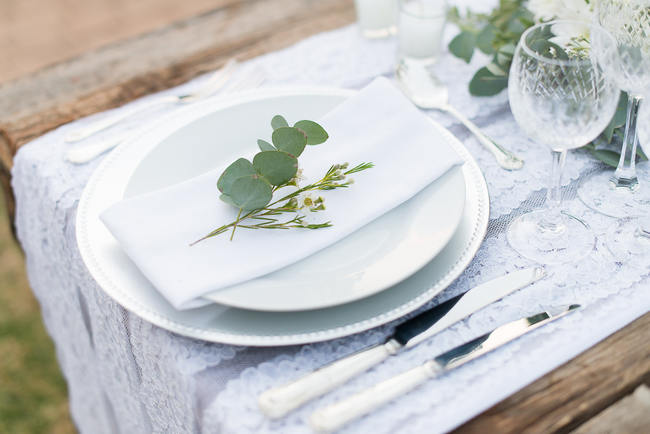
(567, 35)
(573, 37)
(546, 10)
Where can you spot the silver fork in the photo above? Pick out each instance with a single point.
(426, 92)
(85, 153)
(214, 83)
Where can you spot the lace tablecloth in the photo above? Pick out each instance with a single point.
(126, 375)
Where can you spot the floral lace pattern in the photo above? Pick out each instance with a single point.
(129, 376)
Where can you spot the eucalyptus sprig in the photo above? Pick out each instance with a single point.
(250, 186)
(494, 34)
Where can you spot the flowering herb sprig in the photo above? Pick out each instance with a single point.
(251, 186)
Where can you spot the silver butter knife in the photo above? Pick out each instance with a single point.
(279, 401)
(336, 415)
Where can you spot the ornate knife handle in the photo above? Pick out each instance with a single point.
(338, 414)
(277, 402)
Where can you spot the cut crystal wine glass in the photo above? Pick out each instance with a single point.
(630, 237)
(619, 193)
(561, 98)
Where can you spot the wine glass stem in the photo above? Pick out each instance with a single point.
(553, 222)
(625, 174)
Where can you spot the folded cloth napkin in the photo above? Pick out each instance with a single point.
(377, 125)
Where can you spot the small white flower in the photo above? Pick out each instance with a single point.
(305, 200)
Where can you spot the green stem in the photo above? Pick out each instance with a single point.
(214, 233)
(328, 182)
(234, 226)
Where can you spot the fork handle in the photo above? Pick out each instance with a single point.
(505, 158)
(340, 413)
(87, 152)
(85, 132)
(281, 400)
(217, 80)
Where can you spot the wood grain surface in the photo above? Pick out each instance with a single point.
(37, 33)
(578, 390)
(116, 74)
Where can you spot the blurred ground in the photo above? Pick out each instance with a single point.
(34, 34)
(32, 391)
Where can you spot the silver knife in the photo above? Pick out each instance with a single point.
(279, 401)
(336, 415)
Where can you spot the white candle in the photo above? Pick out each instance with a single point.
(421, 25)
(377, 18)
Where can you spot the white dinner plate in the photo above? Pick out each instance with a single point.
(373, 258)
(121, 280)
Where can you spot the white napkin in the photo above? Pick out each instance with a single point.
(378, 125)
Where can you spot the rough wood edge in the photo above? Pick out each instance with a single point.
(7, 193)
(83, 86)
(578, 390)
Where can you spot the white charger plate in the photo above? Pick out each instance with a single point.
(373, 258)
(121, 280)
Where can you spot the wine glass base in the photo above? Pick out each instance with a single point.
(569, 240)
(624, 240)
(599, 193)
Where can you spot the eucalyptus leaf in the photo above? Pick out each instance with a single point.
(526, 22)
(485, 38)
(619, 118)
(505, 55)
(609, 131)
(484, 83)
(543, 33)
(608, 157)
(241, 167)
(278, 122)
(463, 45)
(508, 49)
(290, 140)
(516, 26)
(265, 146)
(315, 133)
(251, 192)
(495, 69)
(224, 197)
(548, 49)
(276, 167)
(453, 15)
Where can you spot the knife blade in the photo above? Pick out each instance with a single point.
(279, 401)
(338, 414)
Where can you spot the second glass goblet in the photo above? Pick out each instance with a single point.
(619, 193)
(560, 97)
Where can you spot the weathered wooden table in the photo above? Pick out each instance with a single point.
(109, 77)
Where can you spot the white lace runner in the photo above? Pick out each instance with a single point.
(126, 375)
